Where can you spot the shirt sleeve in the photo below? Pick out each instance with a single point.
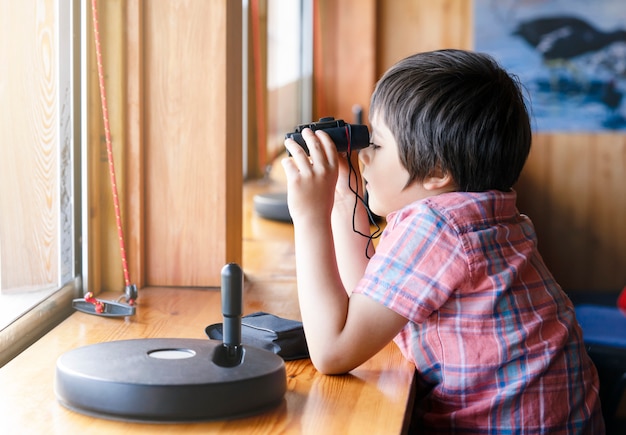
(418, 264)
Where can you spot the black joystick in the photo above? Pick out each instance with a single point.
(175, 379)
(231, 352)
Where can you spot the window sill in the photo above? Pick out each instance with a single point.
(36, 322)
(15, 302)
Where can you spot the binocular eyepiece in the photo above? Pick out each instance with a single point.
(347, 137)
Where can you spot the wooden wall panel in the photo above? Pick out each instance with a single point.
(104, 259)
(258, 155)
(409, 26)
(134, 139)
(344, 68)
(173, 77)
(192, 134)
(573, 189)
(357, 40)
(29, 146)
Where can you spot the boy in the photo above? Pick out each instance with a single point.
(456, 280)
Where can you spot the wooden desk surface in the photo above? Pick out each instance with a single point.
(371, 399)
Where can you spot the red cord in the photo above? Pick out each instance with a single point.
(107, 132)
(98, 305)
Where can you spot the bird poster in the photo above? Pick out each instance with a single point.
(570, 56)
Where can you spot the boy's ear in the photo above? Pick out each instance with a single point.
(438, 180)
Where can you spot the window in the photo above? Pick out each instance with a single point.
(289, 68)
(39, 161)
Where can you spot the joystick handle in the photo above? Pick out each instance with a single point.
(232, 303)
(230, 353)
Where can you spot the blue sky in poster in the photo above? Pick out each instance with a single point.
(583, 93)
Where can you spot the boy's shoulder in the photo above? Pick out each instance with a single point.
(463, 210)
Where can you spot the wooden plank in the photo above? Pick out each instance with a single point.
(231, 145)
(29, 146)
(134, 152)
(105, 272)
(606, 254)
(569, 206)
(344, 67)
(408, 27)
(572, 188)
(257, 96)
(192, 140)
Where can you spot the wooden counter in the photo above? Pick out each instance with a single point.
(371, 399)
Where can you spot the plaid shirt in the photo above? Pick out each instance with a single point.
(494, 339)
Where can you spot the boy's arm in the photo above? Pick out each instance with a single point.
(350, 247)
(342, 332)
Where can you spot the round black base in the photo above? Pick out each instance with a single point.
(168, 380)
(272, 206)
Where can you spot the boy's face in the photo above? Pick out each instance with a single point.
(385, 175)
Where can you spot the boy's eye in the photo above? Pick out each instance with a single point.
(374, 146)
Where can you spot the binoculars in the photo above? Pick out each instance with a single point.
(347, 137)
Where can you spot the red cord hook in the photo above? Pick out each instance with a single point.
(99, 306)
(90, 305)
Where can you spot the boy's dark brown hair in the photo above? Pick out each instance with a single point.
(457, 111)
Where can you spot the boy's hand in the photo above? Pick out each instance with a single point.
(349, 181)
(353, 328)
(311, 180)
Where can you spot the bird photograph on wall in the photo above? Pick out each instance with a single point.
(570, 55)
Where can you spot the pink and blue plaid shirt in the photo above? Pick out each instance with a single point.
(494, 339)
